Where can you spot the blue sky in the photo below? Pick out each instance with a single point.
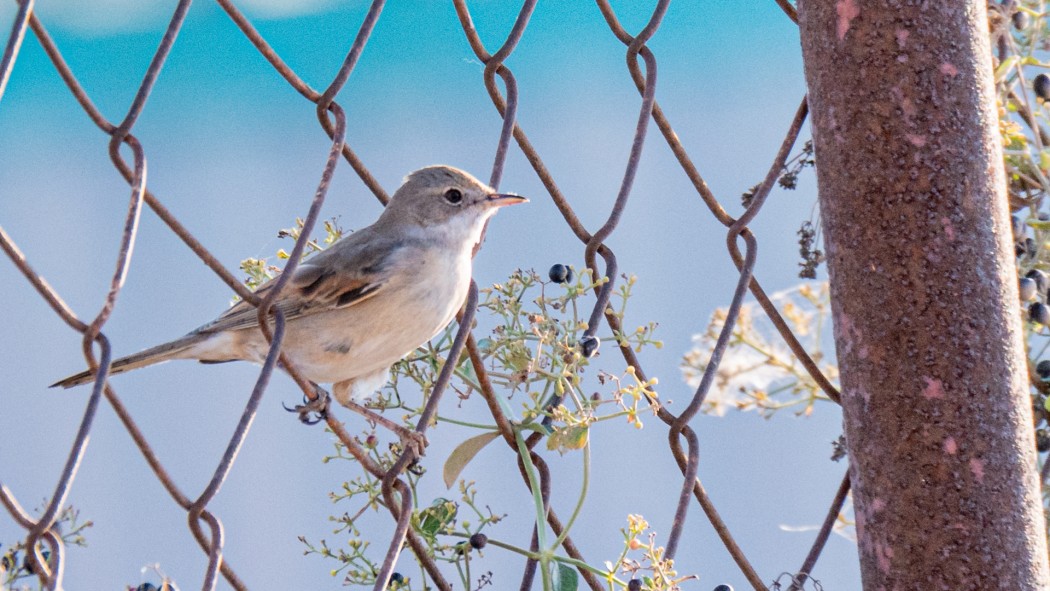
(236, 154)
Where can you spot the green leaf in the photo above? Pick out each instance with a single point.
(567, 438)
(436, 518)
(566, 578)
(464, 452)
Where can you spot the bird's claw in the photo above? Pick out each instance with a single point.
(313, 411)
(413, 440)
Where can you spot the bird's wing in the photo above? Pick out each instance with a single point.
(349, 272)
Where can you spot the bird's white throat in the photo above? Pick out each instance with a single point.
(465, 228)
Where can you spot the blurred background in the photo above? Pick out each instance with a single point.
(236, 154)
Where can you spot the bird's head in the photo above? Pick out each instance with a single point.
(448, 198)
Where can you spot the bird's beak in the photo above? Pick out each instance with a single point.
(501, 199)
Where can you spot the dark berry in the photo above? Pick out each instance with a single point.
(1042, 281)
(1042, 440)
(589, 345)
(723, 588)
(560, 274)
(1020, 20)
(1043, 368)
(1043, 216)
(634, 585)
(397, 579)
(1028, 288)
(1038, 312)
(1041, 86)
(1017, 224)
(146, 587)
(478, 541)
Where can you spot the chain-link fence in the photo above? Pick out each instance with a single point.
(683, 442)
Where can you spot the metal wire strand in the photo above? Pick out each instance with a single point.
(799, 580)
(14, 42)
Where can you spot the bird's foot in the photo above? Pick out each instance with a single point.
(313, 411)
(413, 440)
(410, 438)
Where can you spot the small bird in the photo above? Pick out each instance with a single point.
(365, 302)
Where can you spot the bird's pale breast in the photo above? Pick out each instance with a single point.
(371, 335)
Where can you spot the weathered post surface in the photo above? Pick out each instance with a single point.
(935, 398)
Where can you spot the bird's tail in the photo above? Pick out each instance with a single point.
(158, 354)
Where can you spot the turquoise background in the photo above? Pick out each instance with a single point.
(236, 154)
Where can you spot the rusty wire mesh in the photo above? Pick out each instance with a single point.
(204, 525)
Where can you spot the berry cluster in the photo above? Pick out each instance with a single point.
(1034, 290)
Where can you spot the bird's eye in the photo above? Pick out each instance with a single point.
(454, 196)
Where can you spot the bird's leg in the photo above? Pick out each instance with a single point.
(410, 438)
(318, 406)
